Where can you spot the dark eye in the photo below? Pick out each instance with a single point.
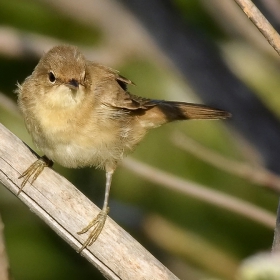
(51, 77)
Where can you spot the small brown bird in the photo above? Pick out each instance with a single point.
(79, 113)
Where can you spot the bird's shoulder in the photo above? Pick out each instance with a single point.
(111, 87)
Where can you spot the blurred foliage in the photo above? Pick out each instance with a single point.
(45, 21)
(194, 14)
(36, 252)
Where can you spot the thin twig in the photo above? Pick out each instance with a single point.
(66, 210)
(261, 23)
(273, 39)
(254, 174)
(229, 18)
(200, 192)
(273, 7)
(276, 237)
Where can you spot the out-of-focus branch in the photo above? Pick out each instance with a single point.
(255, 174)
(16, 44)
(189, 245)
(261, 23)
(200, 192)
(4, 264)
(20, 44)
(119, 42)
(66, 210)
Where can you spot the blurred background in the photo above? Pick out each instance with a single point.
(187, 50)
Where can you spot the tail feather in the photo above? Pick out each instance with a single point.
(167, 111)
(196, 111)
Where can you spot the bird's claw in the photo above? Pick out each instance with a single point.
(97, 224)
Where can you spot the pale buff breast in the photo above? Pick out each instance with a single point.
(74, 138)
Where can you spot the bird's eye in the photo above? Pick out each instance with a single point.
(52, 77)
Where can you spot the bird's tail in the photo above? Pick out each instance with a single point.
(197, 111)
(167, 111)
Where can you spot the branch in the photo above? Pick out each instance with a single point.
(200, 192)
(274, 40)
(66, 210)
(229, 18)
(254, 174)
(254, 14)
(271, 8)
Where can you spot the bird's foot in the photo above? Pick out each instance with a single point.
(97, 224)
(34, 170)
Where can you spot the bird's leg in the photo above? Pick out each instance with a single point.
(34, 170)
(97, 224)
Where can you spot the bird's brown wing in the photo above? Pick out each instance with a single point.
(129, 101)
(112, 89)
(126, 100)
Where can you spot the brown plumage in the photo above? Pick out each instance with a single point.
(79, 113)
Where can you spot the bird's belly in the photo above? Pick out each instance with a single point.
(74, 156)
(83, 141)
(80, 148)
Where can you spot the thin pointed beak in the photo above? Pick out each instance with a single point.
(73, 84)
